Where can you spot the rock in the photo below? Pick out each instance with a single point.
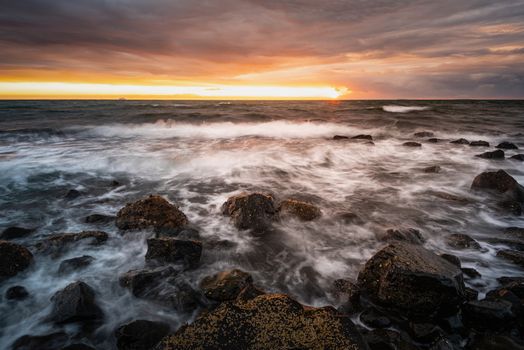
(72, 194)
(518, 157)
(340, 137)
(75, 303)
(408, 235)
(140, 334)
(363, 137)
(511, 206)
(298, 209)
(500, 182)
(471, 272)
(16, 293)
(349, 218)
(424, 134)
(471, 294)
(504, 280)
(225, 285)
(461, 241)
(424, 332)
(507, 145)
(515, 232)
(412, 280)
(515, 257)
(487, 314)
(479, 144)
(142, 282)
(498, 154)
(153, 212)
(250, 292)
(170, 250)
(55, 244)
(50, 341)
(411, 144)
(185, 233)
(387, 339)
(269, 321)
(14, 258)
(99, 219)
(253, 211)
(452, 259)
(372, 318)
(432, 169)
(16, 232)
(434, 140)
(74, 264)
(490, 341)
(460, 142)
(349, 291)
(78, 346)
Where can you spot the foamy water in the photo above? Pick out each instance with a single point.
(197, 159)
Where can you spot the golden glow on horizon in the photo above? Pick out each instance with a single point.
(82, 90)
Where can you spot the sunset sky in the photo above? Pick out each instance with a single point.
(261, 49)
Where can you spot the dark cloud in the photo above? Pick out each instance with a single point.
(396, 48)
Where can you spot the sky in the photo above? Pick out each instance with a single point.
(353, 49)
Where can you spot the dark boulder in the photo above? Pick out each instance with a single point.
(460, 142)
(55, 244)
(140, 335)
(340, 137)
(434, 169)
(374, 319)
(72, 194)
(14, 258)
(471, 294)
(225, 285)
(493, 341)
(298, 209)
(254, 211)
(512, 255)
(424, 332)
(424, 134)
(479, 144)
(152, 212)
(500, 182)
(16, 232)
(514, 232)
(507, 145)
(413, 280)
(387, 339)
(348, 292)
(510, 206)
(434, 140)
(141, 282)
(363, 137)
(50, 341)
(170, 250)
(488, 314)
(269, 321)
(75, 303)
(74, 264)
(462, 241)
(471, 272)
(517, 157)
(498, 154)
(408, 235)
(16, 293)
(99, 219)
(411, 144)
(452, 259)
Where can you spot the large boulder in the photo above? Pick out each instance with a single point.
(269, 321)
(225, 285)
(55, 244)
(15, 232)
(499, 182)
(152, 212)
(14, 258)
(298, 209)
(140, 334)
(498, 154)
(507, 145)
(75, 303)
(480, 143)
(253, 211)
(412, 280)
(75, 264)
(170, 250)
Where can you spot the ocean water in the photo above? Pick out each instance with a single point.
(198, 153)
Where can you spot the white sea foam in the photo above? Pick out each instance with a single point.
(403, 109)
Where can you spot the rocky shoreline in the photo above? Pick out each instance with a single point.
(405, 297)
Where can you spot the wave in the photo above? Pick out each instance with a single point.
(403, 109)
(224, 130)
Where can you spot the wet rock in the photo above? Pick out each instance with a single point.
(471, 272)
(16, 232)
(500, 182)
(515, 232)
(479, 144)
(50, 341)
(504, 280)
(269, 321)
(412, 280)
(514, 256)
(372, 318)
(349, 291)
(461, 241)
(511, 206)
(434, 140)
(250, 292)
(55, 244)
(434, 169)
(488, 314)
(386, 339)
(493, 341)
(424, 332)
(225, 285)
(507, 145)
(349, 218)
(340, 137)
(408, 235)
(299, 209)
(411, 144)
(170, 250)
(153, 212)
(99, 219)
(517, 157)
(471, 294)
(363, 137)
(75, 303)
(72, 194)
(498, 154)
(452, 259)
(16, 293)
(254, 211)
(78, 346)
(74, 264)
(185, 233)
(14, 258)
(460, 142)
(140, 334)
(140, 282)
(424, 134)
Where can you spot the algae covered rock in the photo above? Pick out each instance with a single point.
(298, 209)
(14, 258)
(253, 211)
(225, 285)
